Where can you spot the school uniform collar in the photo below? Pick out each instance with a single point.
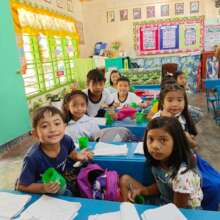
(94, 102)
(84, 118)
(181, 119)
(122, 101)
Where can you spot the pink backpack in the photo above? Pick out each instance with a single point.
(112, 191)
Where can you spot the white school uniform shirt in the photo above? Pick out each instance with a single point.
(111, 89)
(180, 118)
(85, 126)
(93, 107)
(131, 97)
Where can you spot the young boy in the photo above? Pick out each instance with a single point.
(52, 151)
(123, 97)
(98, 97)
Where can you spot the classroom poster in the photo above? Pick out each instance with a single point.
(190, 37)
(211, 37)
(169, 37)
(173, 35)
(149, 38)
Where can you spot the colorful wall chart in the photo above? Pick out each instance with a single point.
(211, 36)
(169, 36)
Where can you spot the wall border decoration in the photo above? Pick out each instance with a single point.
(172, 35)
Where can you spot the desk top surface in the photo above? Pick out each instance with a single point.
(92, 207)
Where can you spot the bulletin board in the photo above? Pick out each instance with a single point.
(211, 37)
(173, 35)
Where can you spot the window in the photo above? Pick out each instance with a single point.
(50, 62)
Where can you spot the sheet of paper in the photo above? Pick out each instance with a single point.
(12, 204)
(128, 211)
(169, 211)
(139, 148)
(106, 216)
(105, 149)
(47, 208)
(100, 121)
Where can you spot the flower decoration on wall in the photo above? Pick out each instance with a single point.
(116, 45)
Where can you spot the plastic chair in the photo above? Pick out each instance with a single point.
(168, 68)
(210, 87)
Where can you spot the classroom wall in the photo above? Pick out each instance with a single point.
(97, 28)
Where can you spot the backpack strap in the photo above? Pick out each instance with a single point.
(112, 192)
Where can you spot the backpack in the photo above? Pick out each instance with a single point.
(91, 174)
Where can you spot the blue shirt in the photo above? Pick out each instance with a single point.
(36, 161)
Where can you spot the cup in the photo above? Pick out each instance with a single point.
(83, 142)
(139, 117)
(51, 176)
(109, 119)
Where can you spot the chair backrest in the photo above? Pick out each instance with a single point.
(212, 83)
(168, 67)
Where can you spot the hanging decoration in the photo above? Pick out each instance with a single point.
(36, 21)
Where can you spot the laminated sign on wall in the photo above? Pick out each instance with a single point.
(169, 35)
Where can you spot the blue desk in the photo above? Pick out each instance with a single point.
(92, 207)
(131, 164)
(136, 129)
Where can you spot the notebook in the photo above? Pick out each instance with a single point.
(48, 208)
(105, 149)
(139, 148)
(12, 204)
(169, 211)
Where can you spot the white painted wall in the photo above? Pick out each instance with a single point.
(93, 15)
(97, 28)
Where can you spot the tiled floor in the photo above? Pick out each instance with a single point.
(209, 147)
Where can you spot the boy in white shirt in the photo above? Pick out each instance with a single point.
(98, 97)
(123, 97)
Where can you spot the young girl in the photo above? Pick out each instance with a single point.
(196, 112)
(173, 167)
(173, 102)
(78, 123)
(113, 78)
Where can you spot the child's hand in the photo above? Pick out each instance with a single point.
(133, 193)
(142, 104)
(166, 114)
(104, 106)
(84, 155)
(116, 104)
(51, 187)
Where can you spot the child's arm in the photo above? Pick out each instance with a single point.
(80, 156)
(191, 139)
(39, 188)
(130, 188)
(181, 199)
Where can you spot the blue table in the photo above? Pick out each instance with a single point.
(137, 129)
(92, 207)
(147, 87)
(131, 164)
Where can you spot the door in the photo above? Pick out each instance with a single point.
(14, 115)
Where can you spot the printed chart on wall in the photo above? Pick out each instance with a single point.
(169, 36)
(211, 37)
